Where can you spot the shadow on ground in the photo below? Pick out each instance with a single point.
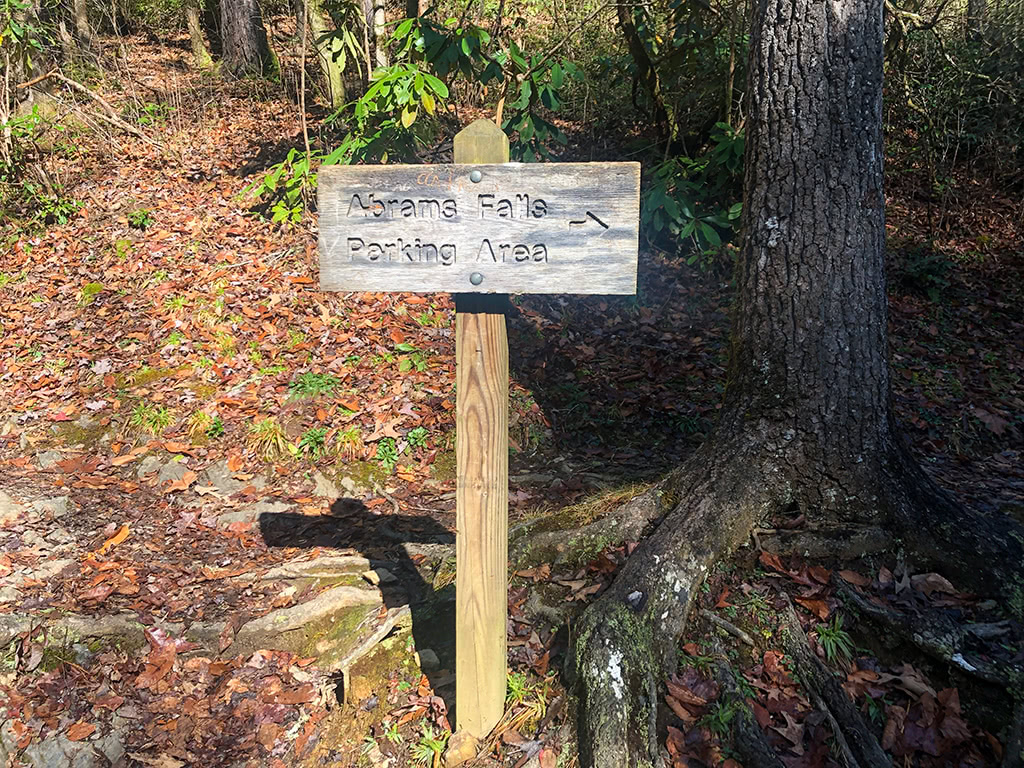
(413, 548)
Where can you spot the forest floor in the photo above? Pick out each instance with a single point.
(227, 498)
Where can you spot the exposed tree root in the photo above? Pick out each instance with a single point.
(1014, 757)
(627, 522)
(747, 736)
(935, 634)
(625, 643)
(827, 694)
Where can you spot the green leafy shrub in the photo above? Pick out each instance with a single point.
(695, 199)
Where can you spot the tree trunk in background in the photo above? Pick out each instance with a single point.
(380, 34)
(325, 47)
(806, 427)
(415, 8)
(83, 30)
(195, 34)
(975, 20)
(246, 50)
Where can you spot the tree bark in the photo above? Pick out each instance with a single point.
(83, 30)
(325, 47)
(975, 20)
(246, 49)
(200, 53)
(380, 34)
(806, 422)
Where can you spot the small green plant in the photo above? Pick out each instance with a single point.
(141, 219)
(267, 438)
(89, 293)
(697, 661)
(227, 347)
(152, 113)
(309, 384)
(417, 437)
(313, 442)
(122, 248)
(517, 688)
(387, 453)
(835, 641)
(149, 418)
(719, 719)
(430, 745)
(176, 303)
(174, 339)
(392, 733)
(295, 338)
(350, 442)
(216, 428)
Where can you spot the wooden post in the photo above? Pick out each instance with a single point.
(481, 423)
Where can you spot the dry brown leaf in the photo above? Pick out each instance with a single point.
(80, 731)
(855, 578)
(116, 539)
(120, 461)
(182, 483)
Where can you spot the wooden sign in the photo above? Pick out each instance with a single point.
(480, 226)
(510, 228)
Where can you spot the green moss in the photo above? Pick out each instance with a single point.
(73, 433)
(331, 638)
(146, 375)
(444, 467)
(584, 513)
(365, 474)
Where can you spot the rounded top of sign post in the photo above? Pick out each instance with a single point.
(481, 142)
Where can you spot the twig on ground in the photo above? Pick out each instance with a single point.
(728, 626)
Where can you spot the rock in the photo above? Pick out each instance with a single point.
(251, 512)
(462, 746)
(9, 594)
(57, 751)
(222, 478)
(47, 569)
(380, 576)
(349, 484)
(428, 659)
(10, 510)
(55, 508)
(312, 626)
(325, 567)
(32, 539)
(148, 466)
(60, 536)
(48, 459)
(171, 471)
(12, 624)
(324, 486)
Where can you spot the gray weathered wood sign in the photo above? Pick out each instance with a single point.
(510, 228)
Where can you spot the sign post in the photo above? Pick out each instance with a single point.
(480, 229)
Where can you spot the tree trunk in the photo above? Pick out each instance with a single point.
(246, 50)
(380, 34)
(415, 8)
(195, 33)
(326, 46)
(83, 30)
(975, 20)
(806, 423)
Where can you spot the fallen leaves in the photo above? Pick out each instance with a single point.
(80, 731)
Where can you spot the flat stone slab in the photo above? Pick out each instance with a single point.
(250, 513)
(325, 567)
